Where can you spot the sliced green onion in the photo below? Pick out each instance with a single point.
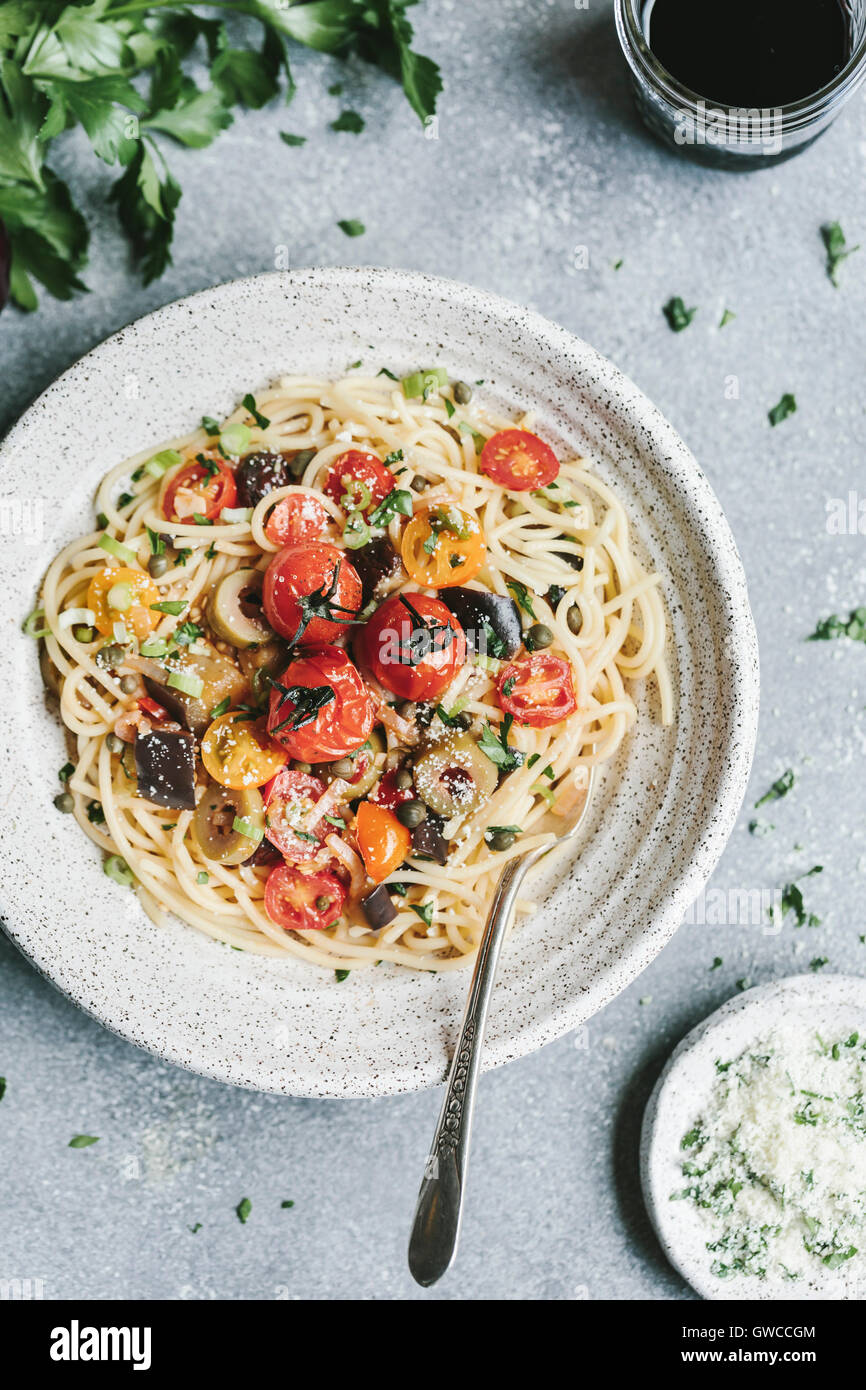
(120, 552)
(174, 606)
(203, 876)
(70, 616)
(356, 532)
(538, 789)
(480, 439)
(119, 597)
(154, 646)
(118, 869)
(162, 462)
(234, 515)
(488, 663)
(243, 826)
(33, 625)
(190, 685)
(423, 383)
(220, 708)
(119, 633)
(357, 496)
(234, 439)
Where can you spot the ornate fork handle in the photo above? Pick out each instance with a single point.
(436, 1228)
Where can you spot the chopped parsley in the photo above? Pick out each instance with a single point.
(352, 227)
(780, 788)
(522, 596)
(496, 747)
(289, 139)
(243, 1209)
(837, 249)
(83, 1141)
(785, 407)
(853, 627)
(349, 121)
(249, 403)
(424, 911)
(677, 315)
(341, 975)
(397, 503)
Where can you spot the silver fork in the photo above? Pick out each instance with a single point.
(436, 1228)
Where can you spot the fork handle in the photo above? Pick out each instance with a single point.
(436, 1228)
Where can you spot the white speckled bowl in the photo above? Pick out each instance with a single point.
(661, 817)
(832, 1003)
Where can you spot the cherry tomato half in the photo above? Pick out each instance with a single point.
(362, 479)
(201, 489)
(133, 591)
(442, 546)
(311, 592)
(288, 799)
(519, 460)
(383, 841)
(333, 720)
(237, 752)
(538, 690)
(303, 902)
(414, 646)
(296, 518)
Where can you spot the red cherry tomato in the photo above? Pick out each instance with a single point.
(296, 518)
(388, 794)
(310, 592)
(362, 478)
(156, 711)
(303, 902)
(288, 799)
(200, 489)
(519, 460)
(383, 841)
(538, 690)
(414, 646)
(345, 714)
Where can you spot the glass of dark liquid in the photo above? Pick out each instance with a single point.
(742, 84)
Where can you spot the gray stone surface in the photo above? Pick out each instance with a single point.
(538, 154)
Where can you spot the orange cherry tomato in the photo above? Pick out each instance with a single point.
(237, 752)
(537, 690)
(519, 461)
(296, 518)
(133, 591)
(443, 546)
(300, 901)
(361, 478)
(199, 488)
(384, 843)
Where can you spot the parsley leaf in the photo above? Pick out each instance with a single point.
(496, 747)
(396, 503)
(785, 407)
(349, 121)
(352, 227)
(780, 788)
(836, 248)
(854, 627)
(677, 315)
(424, 911)
(521, 594)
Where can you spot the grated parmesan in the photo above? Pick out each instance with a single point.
(776, 1163)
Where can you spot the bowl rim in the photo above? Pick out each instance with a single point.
(694, 493)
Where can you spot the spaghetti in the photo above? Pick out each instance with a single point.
(390, 730)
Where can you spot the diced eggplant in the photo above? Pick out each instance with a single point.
(165, 765)
(378, 907)
(220, 680)
(376, 564)
(479, 612)
(259, 474)
(428, 841)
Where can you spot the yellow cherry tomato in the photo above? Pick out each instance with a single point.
(442, 546)
(118, 595)
(237, 752)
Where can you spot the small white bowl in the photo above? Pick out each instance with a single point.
(663, 812)
(835, 1003)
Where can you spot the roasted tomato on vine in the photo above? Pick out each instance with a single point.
(519, 461)
(202, 488)
(414, 646)
(290, 823)
(359, 481)
(320, 707)
(537, 690)
(237, 752)
(443, 546)
(310, 592)
(300, 901)
(383, 841)
(296, 518)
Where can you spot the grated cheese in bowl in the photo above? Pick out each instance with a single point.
(775, 1163)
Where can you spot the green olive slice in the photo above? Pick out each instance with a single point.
(364, 767)
(454, 777)
(213, 824)
(234, 609)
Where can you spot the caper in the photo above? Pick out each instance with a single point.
(462, 392)
(158, 564)
(411, 813)
(114, 744)
(85, 635)
(343, 767)
(575, 618)
(65, 802)
(299, 464)
(538, 636)
(403, 779)
(112, 654)
(129, 684)
(424, 713)
(503, 839)
(406, 709)
(302, 767)
(419, 484)
(462, 721)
